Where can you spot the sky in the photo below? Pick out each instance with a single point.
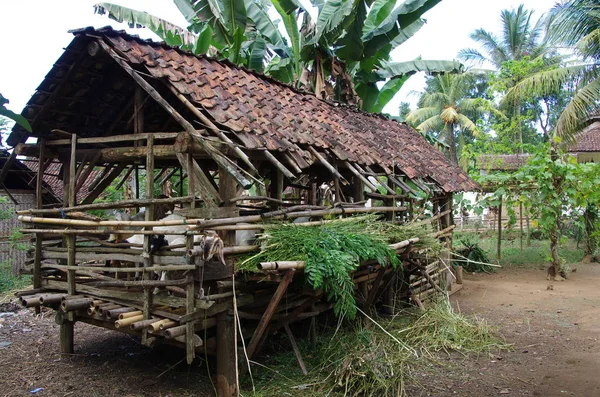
(33, 34)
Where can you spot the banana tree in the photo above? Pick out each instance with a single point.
(348, 49)
(344, 54)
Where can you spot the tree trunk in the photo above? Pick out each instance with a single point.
(450, 139)
(590, 215)
(554, 271)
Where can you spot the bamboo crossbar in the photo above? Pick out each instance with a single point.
(113, 205)
(202, 223)
(281, 265)
(140, 283)
(165, 268)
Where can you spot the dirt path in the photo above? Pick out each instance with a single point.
(554, 328)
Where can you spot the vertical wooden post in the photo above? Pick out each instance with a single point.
(499, 248)
(521, 224)
(149, 216)
(226, 335)
(191, 180)
(276, 186)
(69, 199)
(190, 349)
(313, 194)
(37, 264)
(358, 193)
(138, 128)
(180, 181)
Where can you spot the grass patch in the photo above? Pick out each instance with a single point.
(372, 359)
(8, 281)
(533, 257)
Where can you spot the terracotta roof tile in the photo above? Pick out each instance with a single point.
(588, 140)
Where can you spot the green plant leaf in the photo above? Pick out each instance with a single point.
(204, 41)
(396, 69)
(257, 55)
(164, 29)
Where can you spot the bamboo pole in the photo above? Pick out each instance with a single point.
(75, 304)
(281, 265)
(155, 326)
(327, 165)
(209, 223)
(140, 283)
(128, 321)
(124, 269)
(114, 313)
(98, 206)
(32, 301)
(361, 176)
(110, 306)
(124, 316)
(50, 299)
(140, 325)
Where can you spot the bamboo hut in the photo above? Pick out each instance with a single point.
(249, 149)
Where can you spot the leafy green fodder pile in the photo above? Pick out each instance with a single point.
(332, 251)
(372, 359)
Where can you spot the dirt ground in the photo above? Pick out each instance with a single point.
(554, 328)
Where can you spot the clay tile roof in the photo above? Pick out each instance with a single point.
(502, 162)
(260, 112)
(53, 179)
(587, 140)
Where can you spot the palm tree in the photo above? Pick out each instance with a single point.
(519, 51)
(448, 107)
(342, 55)
(573, 24)
(520, 37)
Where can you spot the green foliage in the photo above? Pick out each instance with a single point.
(331, 252)
(377, 360)
(450, 109)
(471, 250)
(17, 118)
(8, 281)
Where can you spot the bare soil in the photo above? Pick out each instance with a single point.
(553, 327)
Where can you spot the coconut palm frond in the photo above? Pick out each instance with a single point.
(467, 124)
(431, 124)
(581, 107)
(421, 114)
(546, 82)
(471, 54)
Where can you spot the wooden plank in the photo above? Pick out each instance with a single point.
(115, 138)
(269, 311)
(190, 325)
(226, 356)
(296, 350)
(200, 184)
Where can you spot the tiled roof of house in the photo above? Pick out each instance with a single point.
(502, 162)
(255, 111)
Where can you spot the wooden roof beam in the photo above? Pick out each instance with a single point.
(218, 157)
